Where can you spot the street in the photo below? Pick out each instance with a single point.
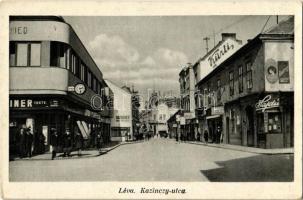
(159, 160)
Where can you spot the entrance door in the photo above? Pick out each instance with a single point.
(227, 130)
(250, 126)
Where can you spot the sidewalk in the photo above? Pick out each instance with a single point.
(246, 149)
(85, 153)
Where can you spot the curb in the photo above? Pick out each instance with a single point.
(242, 150)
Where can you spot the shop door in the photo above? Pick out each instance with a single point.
(250, 126)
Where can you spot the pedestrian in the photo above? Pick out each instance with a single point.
(54, 142)
(99, 142)
(206, 136)
(29, 142)
(218, 134)
(67, 143)
(198, 136)
(78, 141)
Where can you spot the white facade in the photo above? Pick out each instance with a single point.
(121, 120)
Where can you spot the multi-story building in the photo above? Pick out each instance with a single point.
(121, 119)
(187, 96)
(135, 109)
(249, 96)
(54, 82)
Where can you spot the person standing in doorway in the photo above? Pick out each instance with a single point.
(22, 143)
(55, 143)
(29, 142)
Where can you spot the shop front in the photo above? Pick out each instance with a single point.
(275, 120)
(45, 115)
(214, 117)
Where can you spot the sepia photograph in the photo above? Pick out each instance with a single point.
(152, 98)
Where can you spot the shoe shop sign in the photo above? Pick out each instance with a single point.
(267, 102)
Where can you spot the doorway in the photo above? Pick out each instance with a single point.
(250, 126)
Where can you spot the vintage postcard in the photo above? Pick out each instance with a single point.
(151, 99)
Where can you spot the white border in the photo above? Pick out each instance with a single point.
(108, 190)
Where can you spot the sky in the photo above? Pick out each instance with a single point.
(148, 52)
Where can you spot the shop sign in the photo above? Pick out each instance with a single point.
(182, 120)
(189, 115)
(18, 30)
(267, 102)
(271, 71)
(122, 118)
(30, 103)
(219, 110)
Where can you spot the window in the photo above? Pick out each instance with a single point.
(240, 79)
(283, 69)
(249, 82)
(73, 63)
(35, 54)
(274, 123)
(219, 89)
(58, 54)
(12, 53)
(22, 54)
(89, 79)
(94, 84)
(231, 83)
(28, 54)
(209, 93)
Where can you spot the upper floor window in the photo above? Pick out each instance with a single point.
(209, 93)
(231, 83)
(58, 54)
(249, 81)
(240, 82)
(25, 54)
(89, 79)
(219, 89)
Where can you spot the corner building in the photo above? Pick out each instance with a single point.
(53, 80)
(255, 87)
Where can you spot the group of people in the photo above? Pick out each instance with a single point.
(216, 137)
(26, 140)
(66, 143)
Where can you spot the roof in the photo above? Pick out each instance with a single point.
(112, 86)
(283, 30)
(284, 27)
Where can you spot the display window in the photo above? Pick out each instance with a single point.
(274, 123)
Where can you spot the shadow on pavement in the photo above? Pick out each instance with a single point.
(260, 168)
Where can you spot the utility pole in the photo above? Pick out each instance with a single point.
(206, 40)
(277, 19)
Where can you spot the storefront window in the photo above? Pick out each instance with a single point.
(274, 123)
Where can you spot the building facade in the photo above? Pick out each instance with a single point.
(187, 95)
(54, 82)
(121, 119)
(249, 96)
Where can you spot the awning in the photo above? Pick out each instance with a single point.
(87, 130)
(213, 116)
(80, 126)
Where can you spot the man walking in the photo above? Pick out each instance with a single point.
(29, 142)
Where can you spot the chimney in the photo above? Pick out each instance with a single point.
(225, 36)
